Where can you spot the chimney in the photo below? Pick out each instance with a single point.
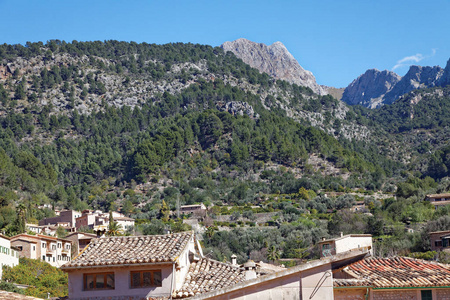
(341, 233)
(250, 270)
(234, 260)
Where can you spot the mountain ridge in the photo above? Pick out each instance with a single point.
(274, 60)
(376, 88)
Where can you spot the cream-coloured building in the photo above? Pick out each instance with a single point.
(8, 254)
(345, 243)
(99, 221)
(55, 251)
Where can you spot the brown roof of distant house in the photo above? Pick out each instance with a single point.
(399, 272)
(39, 237)
(208, 275)
(122, 250)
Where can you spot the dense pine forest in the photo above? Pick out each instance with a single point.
(144, 128)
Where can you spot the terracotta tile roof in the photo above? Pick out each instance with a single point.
(395, 272)
(207, 275)
(121, 250)
(351, 282)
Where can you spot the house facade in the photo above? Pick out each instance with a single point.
(8, 254)
(131, 267)
(55, 251)
(187, 209)
(79, 241)
(345, 243)
(99, 221)
(440, 240)
(65, 216)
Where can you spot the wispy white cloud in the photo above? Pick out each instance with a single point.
(409, 60)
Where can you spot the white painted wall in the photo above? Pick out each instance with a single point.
(8, 256)
(351, 242)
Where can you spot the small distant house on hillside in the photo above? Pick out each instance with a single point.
(79, 241)
(8, 254)
(345, 243)
(392, 278)
(49, 229)
(359, 207)
(99, 221)
(194, 208)
(438, 199)
(65, 216)
(55, 251)
(440, 240)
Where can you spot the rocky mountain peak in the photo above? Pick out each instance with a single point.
(370, 87)
(374, 88)
(274, 60)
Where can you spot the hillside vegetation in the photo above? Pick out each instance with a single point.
(144, 128)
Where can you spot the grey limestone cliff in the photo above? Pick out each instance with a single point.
(376, 88)
(370, 87)
(274, 60)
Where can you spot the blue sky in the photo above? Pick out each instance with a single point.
(337, 40)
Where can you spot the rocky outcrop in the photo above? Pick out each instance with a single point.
(445, 79)
(376, 88)
(274, 60)
(370, 87)
(416, 78)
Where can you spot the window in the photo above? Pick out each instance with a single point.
(53, 247)
(98, 281)
(43, 257)
(426, 295)
(34, 248)
(59, 245)
(141, 279)
(44, 245)
(445, 243)
(438, 243)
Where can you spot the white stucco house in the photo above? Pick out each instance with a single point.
(8, 254)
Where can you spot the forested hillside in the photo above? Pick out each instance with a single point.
(136, 127)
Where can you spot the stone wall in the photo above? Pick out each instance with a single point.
(349, 294)
(396, 295)
(442, 294)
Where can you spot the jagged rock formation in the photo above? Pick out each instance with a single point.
(376, 88)
(274, 60)
(416, 78)
(369, 87)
